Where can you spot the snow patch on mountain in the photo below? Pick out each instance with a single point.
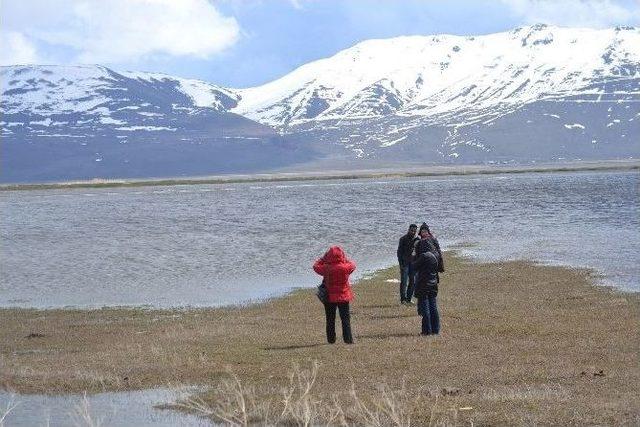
(574, 126)
(202, 94)
(40, 89)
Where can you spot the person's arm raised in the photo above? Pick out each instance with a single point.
(319, 267)
(349, 266)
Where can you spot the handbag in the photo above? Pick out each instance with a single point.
(322, 293)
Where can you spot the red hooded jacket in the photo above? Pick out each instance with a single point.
(336, 268)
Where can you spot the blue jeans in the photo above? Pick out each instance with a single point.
(406, 283)
(428, 309)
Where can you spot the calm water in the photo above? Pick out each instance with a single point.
(209, 245)
(131, 408)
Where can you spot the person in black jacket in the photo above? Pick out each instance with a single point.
(429, 243)
(426, 265)
(405, 255)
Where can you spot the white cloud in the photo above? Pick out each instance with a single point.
(112, 31)
(297, 4)
(16, 49)
(575, 13)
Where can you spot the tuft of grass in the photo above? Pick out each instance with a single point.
(9, 407)
(82, 415)
(299, 403)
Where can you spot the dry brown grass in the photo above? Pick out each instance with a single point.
(298, 403)
(520, 344)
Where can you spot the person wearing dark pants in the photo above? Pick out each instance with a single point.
(428, 309)
(411, 285)
(404, 280)
(426, 264)
(405, 255)
(330, 313)
(335, 268)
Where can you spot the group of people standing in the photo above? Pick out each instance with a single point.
(420, 262)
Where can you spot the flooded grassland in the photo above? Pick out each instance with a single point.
(520, 343)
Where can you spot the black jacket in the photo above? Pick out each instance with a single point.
(426, 266)
(405, 249)
(430, 244)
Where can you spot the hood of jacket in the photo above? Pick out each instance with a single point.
(430, 260)
(335, 255)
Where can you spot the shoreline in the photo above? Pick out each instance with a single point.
(596, 277)
(408, 172)
(463, 251)
(520, 341)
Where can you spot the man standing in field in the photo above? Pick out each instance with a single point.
(405, 249)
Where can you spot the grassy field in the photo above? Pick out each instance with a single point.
(520, 344)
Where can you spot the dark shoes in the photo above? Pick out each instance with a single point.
(346, 342)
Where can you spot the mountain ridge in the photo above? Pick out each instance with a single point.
(445, 104)
(84, 122)
(535, 93)
(418, 86)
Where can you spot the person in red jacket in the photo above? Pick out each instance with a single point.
(335, 267)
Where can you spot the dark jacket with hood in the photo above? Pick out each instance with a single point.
(336, 268)
(426, 266)
(430, 244)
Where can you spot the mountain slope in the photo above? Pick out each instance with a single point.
(580, 89)
(81, 122)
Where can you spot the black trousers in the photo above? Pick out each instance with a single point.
(345, 319)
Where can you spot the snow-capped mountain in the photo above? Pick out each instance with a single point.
(78, 122)
(87, 101)
(473, 97)
(84, 88)
(536, 93)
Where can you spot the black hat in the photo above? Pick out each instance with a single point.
(424, 226)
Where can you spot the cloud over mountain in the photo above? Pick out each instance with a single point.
(116, 30)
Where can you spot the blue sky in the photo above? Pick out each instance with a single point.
(241, 43)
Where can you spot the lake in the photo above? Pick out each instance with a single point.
(220, 244)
